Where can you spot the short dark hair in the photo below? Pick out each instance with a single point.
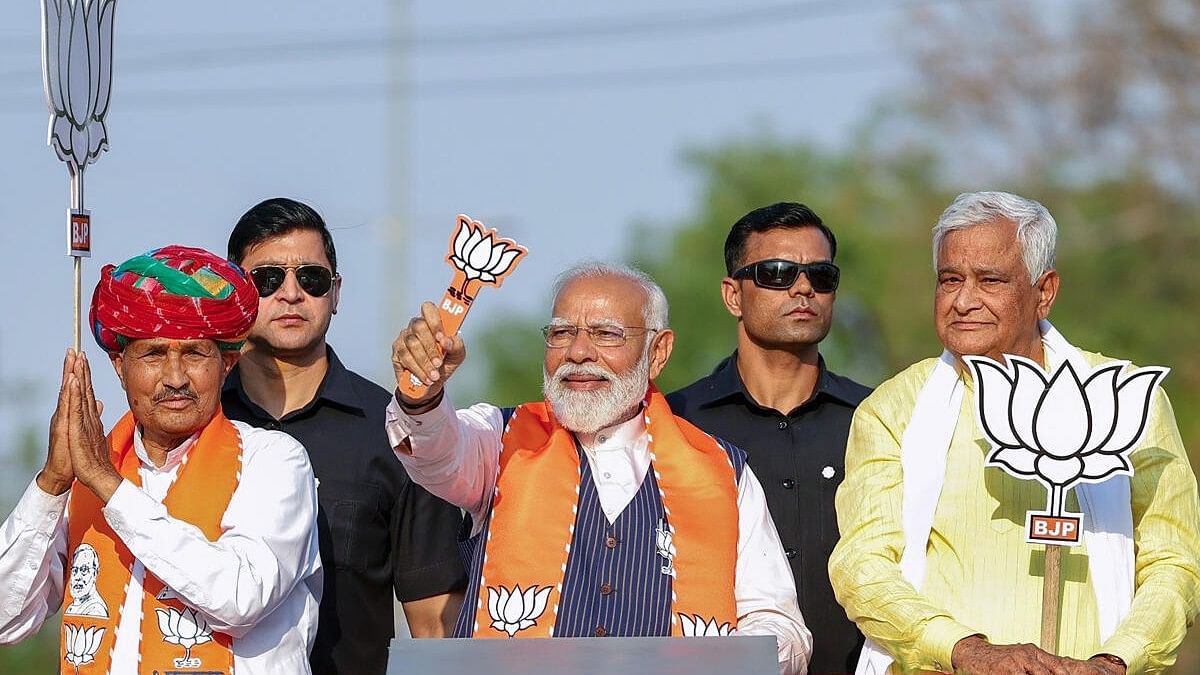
(275, 217)
(784, 215)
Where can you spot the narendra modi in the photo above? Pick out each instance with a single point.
(596, 511)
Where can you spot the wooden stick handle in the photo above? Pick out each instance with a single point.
(1051, 594)
(78, 300)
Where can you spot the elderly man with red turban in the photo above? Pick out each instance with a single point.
(199, 532)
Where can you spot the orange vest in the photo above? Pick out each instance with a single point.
(173, 636)
(533, 521)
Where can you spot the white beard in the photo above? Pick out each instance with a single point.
(586, 412)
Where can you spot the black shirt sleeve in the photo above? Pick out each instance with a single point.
(425, 558)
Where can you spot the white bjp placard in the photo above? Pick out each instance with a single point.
(1061, 429)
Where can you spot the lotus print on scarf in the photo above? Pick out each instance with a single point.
(516, 610)
(186, 629)
(696, 626)
(1061, 429)
(663, 534)
(479, 256)
(81, 644)
(77, 73)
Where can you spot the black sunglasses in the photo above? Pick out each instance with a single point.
(316, 280)
(781, 274)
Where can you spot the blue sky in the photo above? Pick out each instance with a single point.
(559, 123)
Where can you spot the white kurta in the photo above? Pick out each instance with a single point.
(260, 582)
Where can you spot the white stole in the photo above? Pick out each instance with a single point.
(1107, 525)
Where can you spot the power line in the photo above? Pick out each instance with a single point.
(646, 25)
(339, 93)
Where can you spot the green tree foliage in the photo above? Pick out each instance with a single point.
(864, 199)
(1129, 286)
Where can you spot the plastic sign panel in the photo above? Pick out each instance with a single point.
(77, 49)
(79, 233)
(1061, 429)
(480, 257)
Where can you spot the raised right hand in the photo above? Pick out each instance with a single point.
(57, 474)
(423, 350)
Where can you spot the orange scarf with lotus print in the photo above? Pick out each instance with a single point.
(533, 522)
(173, 636)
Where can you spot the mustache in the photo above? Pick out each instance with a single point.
(802, 305)
(587, 369)
(171, 392)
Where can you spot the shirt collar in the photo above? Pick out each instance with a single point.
(337, 386)
(616, 436)
(725, 382)
(174, 457)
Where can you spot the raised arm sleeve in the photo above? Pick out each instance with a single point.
(455, 455)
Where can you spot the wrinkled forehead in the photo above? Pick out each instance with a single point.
(982, 239)
(159, 344)
(85, 558)
(604, 299)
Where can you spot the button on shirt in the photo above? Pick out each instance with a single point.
(381, 534)
(259, 582)
(799, 457)
(456, 455)
(619, 460)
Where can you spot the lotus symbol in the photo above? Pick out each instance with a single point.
(695, 626)
(480, 256)
(82, 644)
(1060, 429)
(516, 610)
(666, 549)
(186, 629)
(77, 72)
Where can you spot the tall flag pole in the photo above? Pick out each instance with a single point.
(77, 38)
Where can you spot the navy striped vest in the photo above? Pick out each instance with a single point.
(614, 583)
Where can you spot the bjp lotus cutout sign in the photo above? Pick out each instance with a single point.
(77, 73)
(1061, 429)
(479, 257)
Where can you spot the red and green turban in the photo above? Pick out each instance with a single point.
(173, 292)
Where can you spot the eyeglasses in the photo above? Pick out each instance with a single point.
(316, 280)
(782, 274)
(601, 336)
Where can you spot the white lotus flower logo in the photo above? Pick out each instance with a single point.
(1059, 429)
(664, 546)
(479, 256)
(695, 626)
(186, 629)
(77, 72)
(82, 644)
(516, 610)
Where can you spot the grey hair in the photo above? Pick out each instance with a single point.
(655, 311)
(1036, 229)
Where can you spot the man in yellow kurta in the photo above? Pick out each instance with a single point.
(974, 603)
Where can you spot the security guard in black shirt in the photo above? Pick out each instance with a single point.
(775, 398)
(380, 533)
